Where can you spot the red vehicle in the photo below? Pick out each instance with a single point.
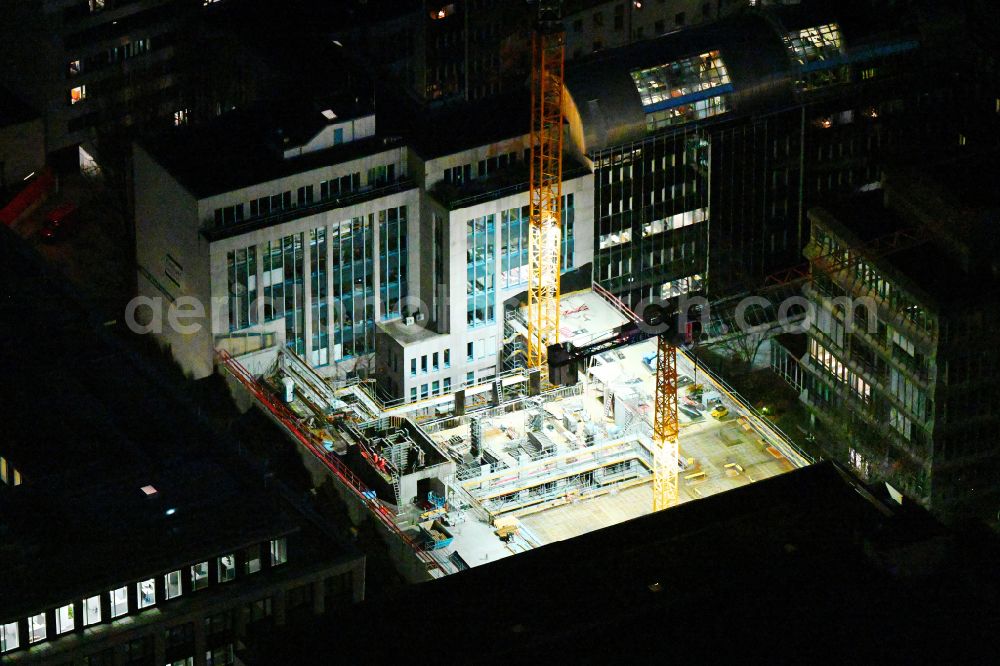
(59, 222)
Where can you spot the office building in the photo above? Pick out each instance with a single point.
(295, 227)
(709, 144)
(901, 360)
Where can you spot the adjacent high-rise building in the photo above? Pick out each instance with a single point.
(710, 144)
(902, 356)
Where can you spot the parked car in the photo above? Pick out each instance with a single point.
(720, 412)
(59, 222)
(684, 380)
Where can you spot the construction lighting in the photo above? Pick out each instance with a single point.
(170, 512)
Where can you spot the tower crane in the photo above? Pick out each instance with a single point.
(563, 362)
(545, 195)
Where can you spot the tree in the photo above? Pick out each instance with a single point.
(744, 347)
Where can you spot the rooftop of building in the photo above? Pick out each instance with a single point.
(121, 476)
(13, 110)
(446, 130)
(947, 200)
(799, 564)
(920, 268)
(245, 147)
(759, 69)
(408, 334)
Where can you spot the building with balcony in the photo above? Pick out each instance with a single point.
(901, 360)
(133, 532)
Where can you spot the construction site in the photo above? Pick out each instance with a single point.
(489, 471)
(594, 416)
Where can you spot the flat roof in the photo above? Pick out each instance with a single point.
(245, 147)
(438, 131)
(90, 424)
(408, 334)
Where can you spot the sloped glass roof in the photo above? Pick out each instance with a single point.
(673, 83)
(815, 45)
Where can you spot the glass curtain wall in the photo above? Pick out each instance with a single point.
(242, 272)
(352, 244)
(480, 287)
(650, 203)
(320, 352)
(514, 224)
(392, 260)
(284, 288)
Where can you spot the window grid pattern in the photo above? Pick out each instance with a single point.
(480, 285)
(352, 245)
(242, 273)
(514, 225)
(683, 90)
(818, 52)
(392, 261)
(320, 349)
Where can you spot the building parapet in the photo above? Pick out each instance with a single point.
(216, 233)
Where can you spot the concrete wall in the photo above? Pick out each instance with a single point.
(167, 224)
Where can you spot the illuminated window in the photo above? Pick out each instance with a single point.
(91, 610)
(818, 52)
(172, 585)
(181, 117)
(64, 619)
(227, 568)
(279, 553)
(683, 90)
(74, 67)
(96, 5)
(77, 94)
(146, 593)
(119, 601)
(199, 576)
(36, 628)
(9, 638)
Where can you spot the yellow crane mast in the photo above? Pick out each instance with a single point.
(545, 196)
(665, 426)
